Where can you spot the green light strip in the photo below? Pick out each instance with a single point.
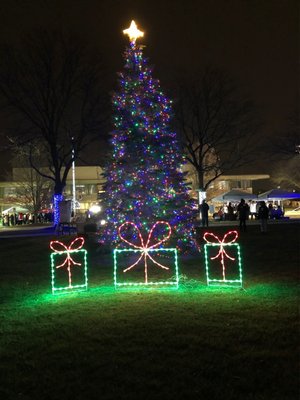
(174, 283)
(147, 284)
(223, 282)
(69, 288)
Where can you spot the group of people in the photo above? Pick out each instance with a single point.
(13, 219)
(243, 212)
(261, 212)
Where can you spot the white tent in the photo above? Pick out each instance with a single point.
(234, 195)
(14, 209)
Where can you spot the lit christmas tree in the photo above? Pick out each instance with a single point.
(144, 179)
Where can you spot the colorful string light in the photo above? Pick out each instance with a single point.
(144, 178)
(228, 240)
(74, 248)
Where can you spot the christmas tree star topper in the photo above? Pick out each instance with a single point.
(133, 32)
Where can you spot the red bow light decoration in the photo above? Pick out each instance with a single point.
(74, 246)
(145, 247)
(228, 238)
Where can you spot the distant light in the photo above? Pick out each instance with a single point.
(95, 209)
(102, 222)
(201, 196)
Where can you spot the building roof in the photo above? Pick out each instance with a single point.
(248, 177)
(234, 195)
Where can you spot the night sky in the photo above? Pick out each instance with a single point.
(257, 41)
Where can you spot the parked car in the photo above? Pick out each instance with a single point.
(293, 213)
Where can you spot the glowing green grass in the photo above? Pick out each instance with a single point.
(193, 342)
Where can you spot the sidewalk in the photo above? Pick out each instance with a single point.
(48, 230)
(26, 230)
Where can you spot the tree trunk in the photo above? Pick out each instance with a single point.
(57, 198)
(59, 188)
(201, 180)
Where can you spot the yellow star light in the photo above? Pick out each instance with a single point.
(133, 32)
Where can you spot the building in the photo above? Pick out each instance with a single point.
(223, 183)
(230, 182)
(88, 180)
(88, 183)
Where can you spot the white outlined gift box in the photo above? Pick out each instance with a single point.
(145, 264)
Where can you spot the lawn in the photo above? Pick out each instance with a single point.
(195, 342)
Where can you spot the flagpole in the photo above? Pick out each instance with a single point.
(73, 178)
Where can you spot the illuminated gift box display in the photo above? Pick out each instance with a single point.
(144, 264)
(223, 260)
(68, 266)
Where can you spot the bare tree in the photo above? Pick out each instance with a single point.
(286, 173)
(283, 151)
(286, 144)
(218, 125)
(33, 190)
(53, 91)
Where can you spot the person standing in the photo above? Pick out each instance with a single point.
(20, 218)
(263, 215)
(270, 208)
(253, 209)
(6, 219)
(243, 210)
(12, 219)
(230, 212)
(204, 207)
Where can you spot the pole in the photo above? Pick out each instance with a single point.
(201, 197)
(73, 178)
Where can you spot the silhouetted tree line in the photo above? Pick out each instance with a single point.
(54, 88)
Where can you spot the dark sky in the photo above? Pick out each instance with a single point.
(257, 41)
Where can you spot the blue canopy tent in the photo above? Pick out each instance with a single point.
(278, 195)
